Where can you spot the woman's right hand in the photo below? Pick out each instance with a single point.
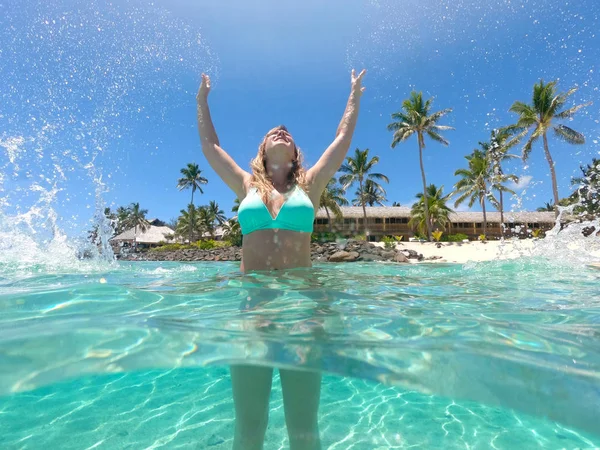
(204, 89)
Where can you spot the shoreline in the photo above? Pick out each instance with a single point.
(471, 251)
(361, 251)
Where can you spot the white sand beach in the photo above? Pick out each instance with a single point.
(462, 252)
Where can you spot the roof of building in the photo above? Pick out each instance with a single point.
(352, 212)
(152, 235)
(219, 232)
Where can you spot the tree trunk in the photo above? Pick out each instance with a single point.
(425, 200)
(484, 217)
(552, 174)
(502, 214)
(328, 219)
(192, 217)
(362, 201)
(135, 238)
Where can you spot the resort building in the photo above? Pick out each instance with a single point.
(153, 236)
(393, 221)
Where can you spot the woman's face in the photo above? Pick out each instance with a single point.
(280, 144)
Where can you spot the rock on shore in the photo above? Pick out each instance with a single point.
(349, 251)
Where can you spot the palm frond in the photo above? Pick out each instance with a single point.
(462, 172)
(402, 135)
(568, 113)
(521, 132)
(432, 119)
(569, 135)
(436, 137)
(346, 181)
(522, 109)
(442, 127)
(502, 188)
(379, 176)
(528, 146)
(461, 199)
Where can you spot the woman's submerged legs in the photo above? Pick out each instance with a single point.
(251, 392)
(301, 396)
(252, 387)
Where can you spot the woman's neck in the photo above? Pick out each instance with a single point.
(279, 175)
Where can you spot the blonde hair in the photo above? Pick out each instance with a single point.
(260, 177)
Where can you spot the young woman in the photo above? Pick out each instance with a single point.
(276, 214)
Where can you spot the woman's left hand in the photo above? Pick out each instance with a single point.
(357, 81)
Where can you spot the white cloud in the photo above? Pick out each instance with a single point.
(522, 184)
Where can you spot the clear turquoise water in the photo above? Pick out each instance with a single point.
(493, 355)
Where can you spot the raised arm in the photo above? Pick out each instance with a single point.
(218, 158)
(319, 175)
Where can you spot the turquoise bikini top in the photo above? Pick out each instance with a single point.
(296, 214)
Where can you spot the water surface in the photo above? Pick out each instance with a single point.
(418, 353)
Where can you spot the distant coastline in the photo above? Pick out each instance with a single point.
(361, 251)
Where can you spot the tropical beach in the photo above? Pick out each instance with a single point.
(217, 231)
(484, 182)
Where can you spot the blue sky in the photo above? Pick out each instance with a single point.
(107, 91)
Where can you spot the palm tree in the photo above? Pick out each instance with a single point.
(331, 199)
(372, 194)
(497, 152)
(473, 184)
(396, 204)
(439, 212)
(548, 206)
(137, 218)
(357, 169)
(189, 223)
(236, 205)
(540, 117)
(122, 216)
(206, 220)
(217, 214)
(172, 223)
(232, 232)
(192, 179)
(416, 119)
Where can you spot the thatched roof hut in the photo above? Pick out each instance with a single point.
(152, 236)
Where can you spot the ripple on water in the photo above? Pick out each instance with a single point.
(503, 336)
(192, 408)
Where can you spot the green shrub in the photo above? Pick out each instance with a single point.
(537, 233)
(202, 245)
(170, 247)
(209, 244)
(234, 240)
(323, 237)
(389, 242)
(455, 237)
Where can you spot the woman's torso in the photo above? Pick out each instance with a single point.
(276, 249)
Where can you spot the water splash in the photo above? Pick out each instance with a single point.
(78, 81)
